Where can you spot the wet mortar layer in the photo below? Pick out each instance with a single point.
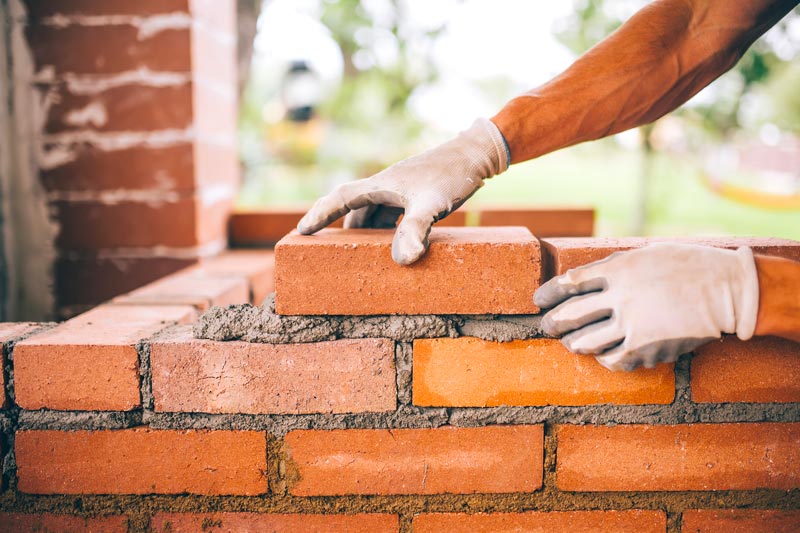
(281, 475)
(262, 324)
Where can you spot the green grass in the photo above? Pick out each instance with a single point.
(597, 174)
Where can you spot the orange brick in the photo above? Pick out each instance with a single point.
(561, 254)
(344, 376)
(185, 222)
(351, 272)
(763, 369)
(37, 9)
(543, 221)
(84, 279)
(275, 523)
(680, 457)
(572, 521)
(46, 522)
(258, 266)
(492, 459)
(266, 227)
(98, 349)
(141, 461)
(194, 286)
(73, 49)
(9, 332)
(740, 521)
(124, 108)
(469, 372)
(167, 168)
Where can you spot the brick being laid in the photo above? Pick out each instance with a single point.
(351, 272)
(561, 254)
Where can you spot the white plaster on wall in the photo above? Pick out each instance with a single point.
(93, 114)
(28, 230)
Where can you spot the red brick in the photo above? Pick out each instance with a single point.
(184, 222)
(763, 369)
(124, 108)
(45, 522)
(543, 221)
(469, 372)
(344, 376)
(195, 287)
(572, 521)
(561, 254)
(89, 280)
(220, 15)
(74, 49)
(258, 266)
(492, 459)
(99, 347)
(39, 9)
(141, 461)
(740, 521)
(351, 272)
(266, 227)
(275, 523)
(680, 457)
(9, 332)
(167, 168)
(215, 163)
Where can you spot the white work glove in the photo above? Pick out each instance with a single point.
(651, 305)
(424, 188)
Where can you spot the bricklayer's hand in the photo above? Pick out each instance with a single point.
(424, 188)
(651, 305)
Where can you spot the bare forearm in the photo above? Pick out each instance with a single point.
(656, 61)
(779, 297)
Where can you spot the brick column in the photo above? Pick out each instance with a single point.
(136, 146)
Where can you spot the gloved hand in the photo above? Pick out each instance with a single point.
(651, 305)
(424, 188)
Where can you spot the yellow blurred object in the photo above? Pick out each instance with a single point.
(753, 197)
(295, 142)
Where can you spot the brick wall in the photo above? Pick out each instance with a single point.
(350, 420)
(134, 136)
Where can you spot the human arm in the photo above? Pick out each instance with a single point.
(656, 61)
(650, 305)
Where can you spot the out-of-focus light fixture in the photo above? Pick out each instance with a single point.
(300, 91)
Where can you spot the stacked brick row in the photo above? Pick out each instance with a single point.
(135, 190)
(121, 419)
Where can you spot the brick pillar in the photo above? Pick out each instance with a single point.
(136, 146)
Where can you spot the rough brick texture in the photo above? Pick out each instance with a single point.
(344, 376)
(572, 521)
(141, 461)
(9, 332)
(275, 523)
(258, 266)
(416, 461)
(543, 222)
(561, 254)
(196, 287)
(48, 522)
(740, 521)
(681, 457)
(99, 350)
(351, 272)
(763, 369)
(469, 372)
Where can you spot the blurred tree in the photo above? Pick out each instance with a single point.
(593, 20)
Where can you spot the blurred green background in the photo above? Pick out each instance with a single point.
(340, 89)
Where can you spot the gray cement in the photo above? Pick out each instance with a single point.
(249, 323)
